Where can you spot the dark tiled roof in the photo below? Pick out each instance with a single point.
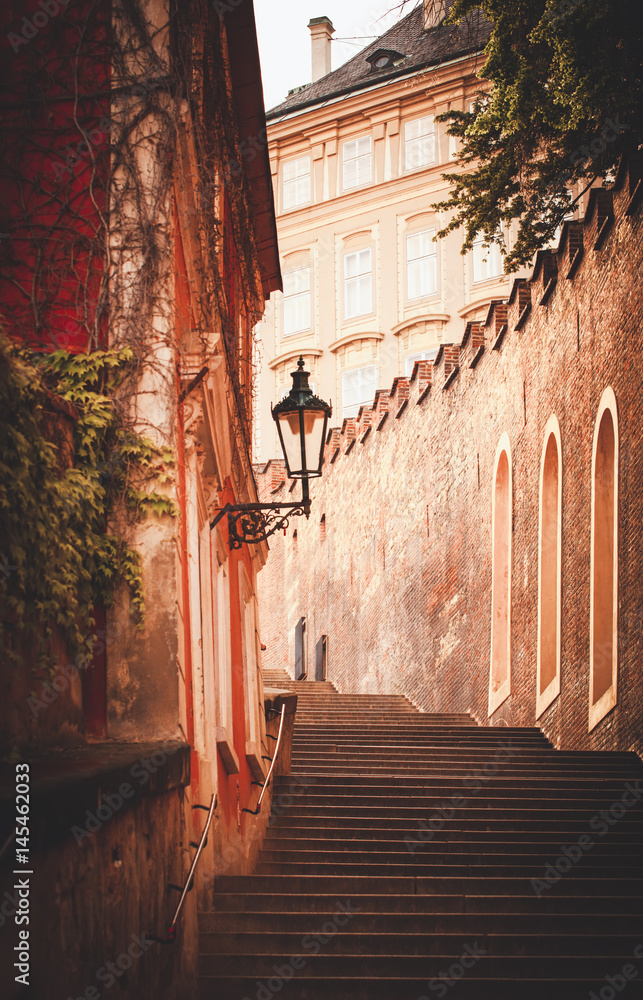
(419, 47)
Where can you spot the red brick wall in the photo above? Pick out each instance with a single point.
(402, 581)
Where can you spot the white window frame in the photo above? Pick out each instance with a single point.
(296, 183)
(415, 265)
(365, 396)
(293, 301)
(487, 258)
(361, 281)
(357, 152)
(419, 143)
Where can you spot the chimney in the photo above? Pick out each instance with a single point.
(321, 31)
(434, 12)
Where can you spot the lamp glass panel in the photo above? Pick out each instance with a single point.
(291, 440)
(314, 423)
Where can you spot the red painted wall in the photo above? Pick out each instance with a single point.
(54, 158)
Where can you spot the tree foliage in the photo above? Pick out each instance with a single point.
(564, 104)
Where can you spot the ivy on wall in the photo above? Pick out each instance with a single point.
(69, 465)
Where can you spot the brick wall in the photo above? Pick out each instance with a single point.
(400, 580)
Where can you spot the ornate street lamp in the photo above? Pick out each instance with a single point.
(301, 420)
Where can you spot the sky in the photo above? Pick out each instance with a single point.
(284, 39)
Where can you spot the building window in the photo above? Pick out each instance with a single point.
(487, 260)
(296, 183)
(410, 360)
(500, 672)
(358, 284)
(604, 562)
(419, 143)
(357, 162)
(358, 389)
(421, 264)
(296, 301)
(384, 58)
(321, 659)
(549, 569)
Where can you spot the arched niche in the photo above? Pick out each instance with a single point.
(603, 662)
(501, 516)
(549, 568)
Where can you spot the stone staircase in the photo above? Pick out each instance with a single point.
(414, 856)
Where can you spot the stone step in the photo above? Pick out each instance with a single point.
(457, 797)
(404, 987)
(434, 785)
(491, 750)
(491, 791)
(382, 720)
(487, 840)
(359, 706)
(566, 829)
(329, 696)
(392, 703)
(350, 941)
(518, 755)
(327, 962)
(349, 885)
(478, 737)
(424, 867)
(372, 724)
(416, 923)
(410, 903)
(499, 854)
(467, 770)
(461, 808)
(344, 710)
(421, 722)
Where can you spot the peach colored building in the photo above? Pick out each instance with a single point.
(357, 159)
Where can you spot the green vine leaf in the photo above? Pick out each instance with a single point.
(60, 559)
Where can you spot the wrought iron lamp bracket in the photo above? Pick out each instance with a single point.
(251, 523)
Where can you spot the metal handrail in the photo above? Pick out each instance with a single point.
(171, 934)
(255, 812)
